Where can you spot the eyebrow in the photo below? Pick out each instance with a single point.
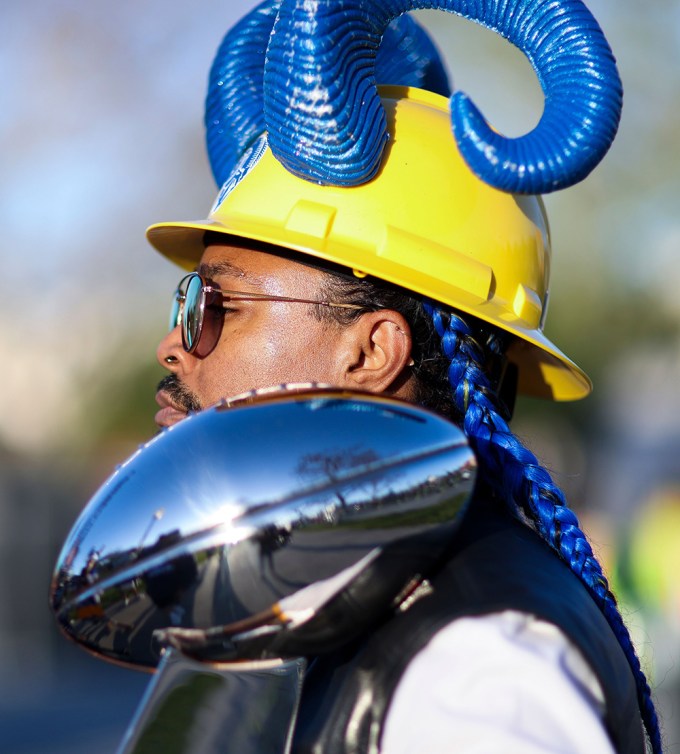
(228, 269)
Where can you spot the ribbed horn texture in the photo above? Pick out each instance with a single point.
(234, 115)
(233, 106)
(326, 122)
(408, 57)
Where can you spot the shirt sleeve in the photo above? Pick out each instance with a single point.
(506, 683)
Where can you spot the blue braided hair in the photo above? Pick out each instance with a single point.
(525, 486)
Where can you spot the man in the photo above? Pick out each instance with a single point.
(421, 280)
(265, 342)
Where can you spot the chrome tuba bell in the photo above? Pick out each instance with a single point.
(277, 525)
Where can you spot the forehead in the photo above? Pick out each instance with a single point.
(260, 269)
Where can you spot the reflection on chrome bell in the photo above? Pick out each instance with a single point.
(277, 526)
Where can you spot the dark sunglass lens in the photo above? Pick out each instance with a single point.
(192, 315)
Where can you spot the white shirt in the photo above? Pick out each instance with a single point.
(506, 683)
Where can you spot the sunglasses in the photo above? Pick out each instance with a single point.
(198, 308)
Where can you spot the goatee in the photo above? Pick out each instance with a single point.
(179, 393)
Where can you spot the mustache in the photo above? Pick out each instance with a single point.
(180, 393)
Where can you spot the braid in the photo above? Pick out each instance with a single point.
(461, 379)
(526, 487)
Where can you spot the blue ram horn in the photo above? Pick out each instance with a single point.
(234, 117)
(407, 56)
(234, 114)
(326, 122)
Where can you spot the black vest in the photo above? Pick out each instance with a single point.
(496, 564)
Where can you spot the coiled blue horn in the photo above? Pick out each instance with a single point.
(407, 56)
(234, 117)
(234, 109)
(326, 122)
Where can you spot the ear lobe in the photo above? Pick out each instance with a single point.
(382, 352)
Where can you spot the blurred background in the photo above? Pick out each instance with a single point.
(101, 133)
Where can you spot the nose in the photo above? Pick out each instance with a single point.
(170, 353)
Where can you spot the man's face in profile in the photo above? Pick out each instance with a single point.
(264, 343)
(261, 343)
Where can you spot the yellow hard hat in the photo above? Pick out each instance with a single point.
(425, 222)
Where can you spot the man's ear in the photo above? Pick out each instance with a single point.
(377, 353)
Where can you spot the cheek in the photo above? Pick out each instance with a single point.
(287, 349)
(282, 355)
(299, 349)
(227, 370)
